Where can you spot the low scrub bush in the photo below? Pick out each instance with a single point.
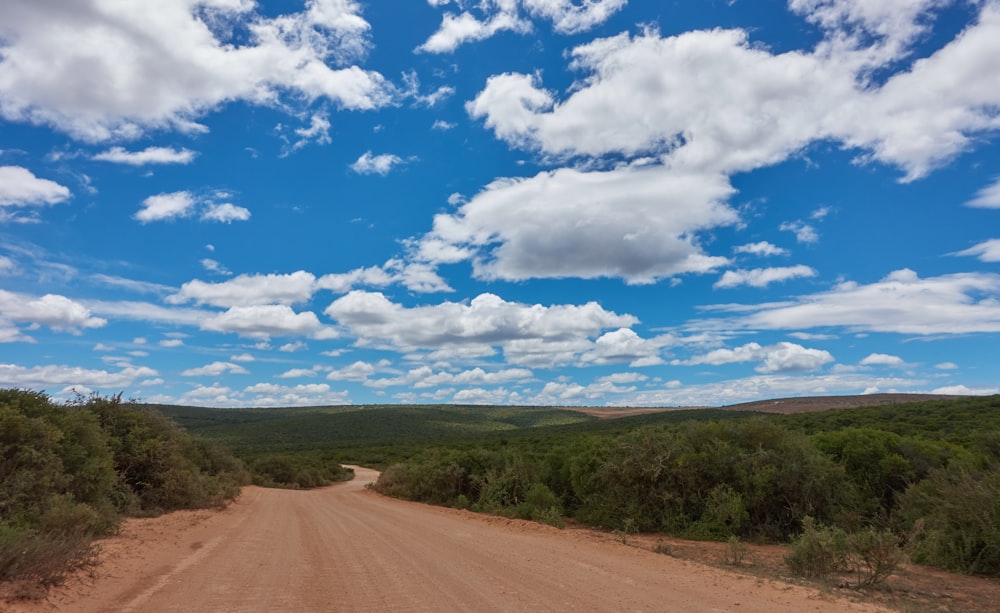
(871, 555)
(818, 552)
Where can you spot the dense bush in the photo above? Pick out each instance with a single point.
(297, 471)
(873, 483)
(711, 480)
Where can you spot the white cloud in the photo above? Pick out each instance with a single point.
(921, 118)
(882, 359)
(746, 108)
(494, 16)
(766, 386)
(149, 155)
(569, 17)
(225, 212)
(132, 285)
(213, 266)
(804, 233)
(171, 342)
(946, 366)
(762, 249)
(382, 164)
(624, 345)
(7, 266)
(622, 377)
(358, 371)
(296, 373)
(988, 197)
(762, 277)
(165, 206)
(486, 321)
(415, 276)
(247, 290)
(962, 390)
(986, 251)
(52, 310)
(498, 396)
(20, 187)
(164, 66)
(637, 223)
(215, 369)
(42, 377)
(318, 132)
(242, 357)
(443, 125)
(456, 30)
(307, 394)
(293, 347)
(424, 377)
(902, 303)
(894, 24)
(780, 357)
(265, 321)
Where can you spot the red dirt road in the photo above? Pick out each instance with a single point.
(345, 548)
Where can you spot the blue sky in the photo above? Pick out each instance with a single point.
(556, 202)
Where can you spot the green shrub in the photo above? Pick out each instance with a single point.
(873, 555)
(818, 552)
(957, 511)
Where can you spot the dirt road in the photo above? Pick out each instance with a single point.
(345, 548)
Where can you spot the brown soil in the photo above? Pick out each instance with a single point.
(345, 548)
(809, 404)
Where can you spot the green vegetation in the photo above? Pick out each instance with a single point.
(850, 489)
(868, 481)
(69, 473)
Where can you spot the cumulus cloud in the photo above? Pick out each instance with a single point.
(381, 164)
(902, 303)
(225, 212)
(48, 376)
(415, 276)
(175, 205)
(528, 334)
(20, 187)
(52, 310)
(162, 207)
(149, 155)
(624, 345)
(215, 369)
(762, 249)
(748, 108)
(494, 16)
(882, 359)
(639, 223)
(762, 277)
(780, 357)
(307, 394)
(456, 30)
(245, 290)
(804, 233)
(358, 371)
(986, 251)
(765, 386)
(265, 321)
(165, 66)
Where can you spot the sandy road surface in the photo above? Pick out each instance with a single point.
(344, 548)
